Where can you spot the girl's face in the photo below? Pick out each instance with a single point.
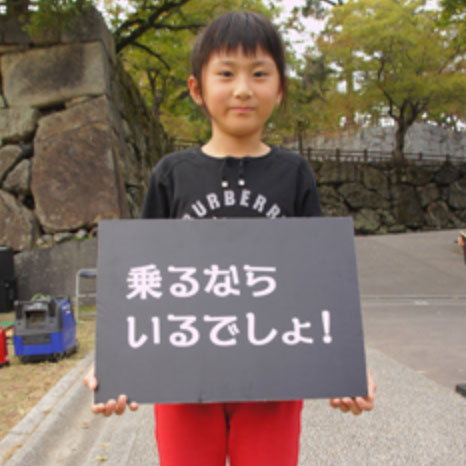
(239, 92)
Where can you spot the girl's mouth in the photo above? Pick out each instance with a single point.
(242, 109)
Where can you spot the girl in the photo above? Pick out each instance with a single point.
(238, 77)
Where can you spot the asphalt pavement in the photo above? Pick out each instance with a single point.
(413, 295)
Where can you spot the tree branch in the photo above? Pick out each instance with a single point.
(147, 24)
(151, 52)
(171, 27)
(333, 3)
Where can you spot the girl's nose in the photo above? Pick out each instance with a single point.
(242, 89)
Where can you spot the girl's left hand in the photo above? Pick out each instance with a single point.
(359, 404)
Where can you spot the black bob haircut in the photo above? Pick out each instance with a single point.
(244, 29)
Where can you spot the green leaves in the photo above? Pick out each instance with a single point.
(400, 57)
(54, 14)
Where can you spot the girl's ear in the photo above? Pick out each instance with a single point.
(279, 97)
(195, 90)
(280, 94)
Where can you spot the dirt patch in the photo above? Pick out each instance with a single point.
(23, 385)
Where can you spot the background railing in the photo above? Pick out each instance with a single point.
(367, 156)
(361, 156)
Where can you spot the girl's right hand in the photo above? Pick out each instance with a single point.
(112, 406)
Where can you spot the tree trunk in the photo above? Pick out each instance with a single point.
(350, 122)
(409, 112)
(300, 137)
(156, 102)
(399, 142)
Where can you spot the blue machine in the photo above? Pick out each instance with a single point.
(44, 329)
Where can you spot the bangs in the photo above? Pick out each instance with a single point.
(233, 30)
(242, 30)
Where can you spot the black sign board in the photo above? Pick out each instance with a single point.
(228, 310)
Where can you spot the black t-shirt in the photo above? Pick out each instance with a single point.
(192, 184)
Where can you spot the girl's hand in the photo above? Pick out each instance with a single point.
(112, 406)
(359, 404)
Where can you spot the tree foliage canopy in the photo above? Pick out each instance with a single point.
(401, 60)
(375, 57)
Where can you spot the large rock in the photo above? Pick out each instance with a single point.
(18, 181)
(407, 207)
(447, 174)
(76, 179)
(18, 226)
(438, 215)
(357, 196)
(333, 205)
(416, 175)
(429, 194)
(387, 218)
(88, 27)
(335, 210)
(373, 178)
(48, 76)
(332, 172)
(17, 124)
(366, 221)
(9, 157)
(329, 196)
(141, 128)
(457, 194)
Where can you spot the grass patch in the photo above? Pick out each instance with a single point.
(23, 385)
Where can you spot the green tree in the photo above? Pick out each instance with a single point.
(453, 8)
(403, 59)
(38, 15)
(319, 8)
(306, 108)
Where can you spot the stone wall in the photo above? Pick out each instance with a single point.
(76, 138)
(385, 198)
(52, 271)
(420, 137)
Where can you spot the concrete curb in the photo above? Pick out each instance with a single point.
(43, 414)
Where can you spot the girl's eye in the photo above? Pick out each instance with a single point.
(226, 74)
(260, 74)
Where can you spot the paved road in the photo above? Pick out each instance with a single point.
(413, 289)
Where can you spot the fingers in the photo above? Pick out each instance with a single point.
(90, 381)
(98, 408)
(371, 386)
(358, 404)
(122, 403)
(133, 406)
(348, 404)
(112, 406)
(338, 403)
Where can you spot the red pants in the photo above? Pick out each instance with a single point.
(250, 434)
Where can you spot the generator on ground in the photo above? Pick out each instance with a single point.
(45, 328)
